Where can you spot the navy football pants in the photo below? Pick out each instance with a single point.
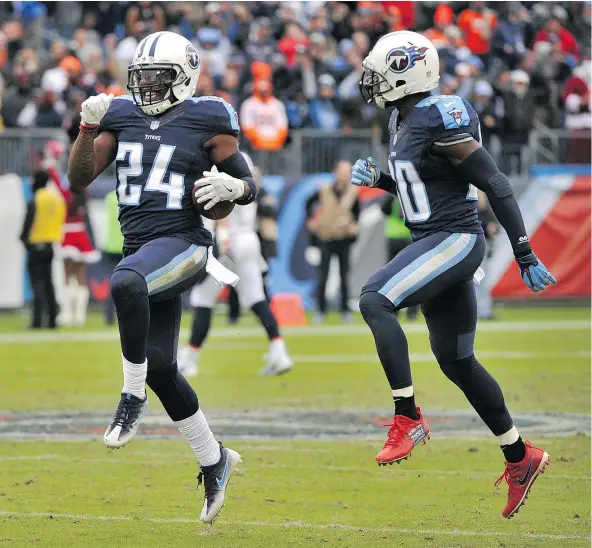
(435, 272)
(146, 287)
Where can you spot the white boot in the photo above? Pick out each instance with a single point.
(188, 361)
(278, 359)
(68, 304)
(81, 305)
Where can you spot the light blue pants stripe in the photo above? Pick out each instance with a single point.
(414, 276)
(194, 257)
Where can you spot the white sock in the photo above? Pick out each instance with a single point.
(510, 437)
(190, 353)
(406, 392)
(277, 345)
(134, 378)
(82, 295)
(196, 431)
(68, 304)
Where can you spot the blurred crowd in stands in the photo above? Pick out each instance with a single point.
(287, 65)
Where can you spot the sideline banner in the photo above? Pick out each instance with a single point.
(556, 209)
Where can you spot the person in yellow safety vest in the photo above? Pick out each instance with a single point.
(112, 247)
(398, 237)
(42, 228)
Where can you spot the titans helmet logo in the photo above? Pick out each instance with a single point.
(192, 57)
(400, 59)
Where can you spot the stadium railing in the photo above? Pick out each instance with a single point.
(21, 147)
(316, 151)
(309, 151)
(559, 146)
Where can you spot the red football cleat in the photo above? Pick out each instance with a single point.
(404, 435)
(520, 476)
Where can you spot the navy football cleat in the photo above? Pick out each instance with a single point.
(126, 421)
(215, 479)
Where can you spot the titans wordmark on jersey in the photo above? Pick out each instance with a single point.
(158, 160)
(433, 195)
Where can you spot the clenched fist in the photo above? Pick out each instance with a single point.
(94, 108)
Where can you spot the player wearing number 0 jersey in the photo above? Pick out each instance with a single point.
(436, 163)
(164, 144)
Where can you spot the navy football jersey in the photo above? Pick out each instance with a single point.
(433, 195)
(158, 160)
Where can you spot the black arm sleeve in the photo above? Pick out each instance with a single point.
(385, 182)
(28, 223)
(236, 166)
(481, 170)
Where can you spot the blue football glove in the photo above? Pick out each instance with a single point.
(365, 173)
(534, 272)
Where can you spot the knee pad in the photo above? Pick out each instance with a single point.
(126, 284)
(459, 369)
(373, 304)
(158, 375)
(451, 347)
(161, 360)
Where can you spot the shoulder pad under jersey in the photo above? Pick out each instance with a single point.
(213, 114)
(119, 111)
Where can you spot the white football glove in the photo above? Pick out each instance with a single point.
(216, 187)
(94, 108)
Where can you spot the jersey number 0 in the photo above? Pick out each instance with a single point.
(129, 194)
(412, 191)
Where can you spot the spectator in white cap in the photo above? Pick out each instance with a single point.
(465, 81)
(319, 53)
(517, 120)
(323, 112)
(483, 104)
(520, 81)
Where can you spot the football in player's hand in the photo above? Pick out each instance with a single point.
(220, 211)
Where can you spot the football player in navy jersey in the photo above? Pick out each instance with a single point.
(436, 165)
(164, 144)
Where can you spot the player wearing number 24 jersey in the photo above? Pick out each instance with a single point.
(159, 160)
(436, 165)
(164, 144)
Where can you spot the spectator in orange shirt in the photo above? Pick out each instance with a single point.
(478, 23)
(264, 122)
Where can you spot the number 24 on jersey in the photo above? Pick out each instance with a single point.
(129, 194)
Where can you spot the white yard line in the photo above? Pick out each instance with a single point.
(147, 459)
(428, 357)
(301, 525)
(306, 331)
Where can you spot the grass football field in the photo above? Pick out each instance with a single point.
(308, 441)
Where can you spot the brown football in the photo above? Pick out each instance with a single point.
(220, 211)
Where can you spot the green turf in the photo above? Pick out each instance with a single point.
(296, 493)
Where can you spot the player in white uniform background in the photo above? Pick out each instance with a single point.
(239, 250)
